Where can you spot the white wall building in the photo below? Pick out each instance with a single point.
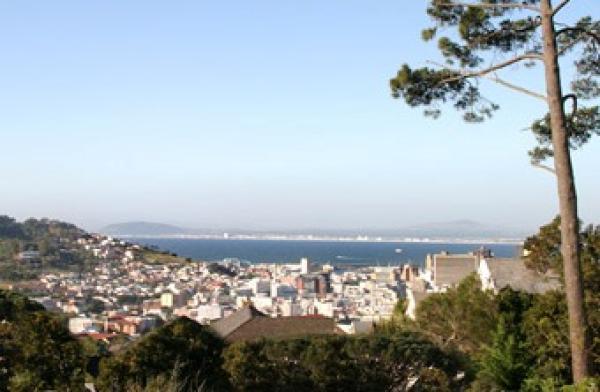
(80, 325)
(209, 312)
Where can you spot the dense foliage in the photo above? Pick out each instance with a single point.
(182, 349)
(544, 255)
(345, 363)
(461, 318)
(37, 351)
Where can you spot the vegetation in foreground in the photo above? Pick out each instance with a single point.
(464, 339)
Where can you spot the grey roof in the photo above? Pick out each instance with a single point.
(229, 324)
(451, 269)
(250, 324)
(283, 328)
(514, 273)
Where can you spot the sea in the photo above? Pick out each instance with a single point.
(357, 253)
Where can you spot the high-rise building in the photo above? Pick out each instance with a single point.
(304, 266)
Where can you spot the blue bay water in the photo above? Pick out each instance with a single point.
(336, 252)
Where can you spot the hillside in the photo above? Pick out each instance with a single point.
(35, 246)
(27, 246)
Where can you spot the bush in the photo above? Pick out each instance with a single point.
(37, 352)
(182, 348)
(343, 363)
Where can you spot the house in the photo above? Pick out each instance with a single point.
(121, 324)
(79, 325)
(356, 327)
(250, 324)
(409, 273)
(447, 269)
(495, 274)
(170, 299)
(30, 257)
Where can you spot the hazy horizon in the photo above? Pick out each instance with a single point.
(262, 116)
(422, 227)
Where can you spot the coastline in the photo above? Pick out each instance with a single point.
(308, 238)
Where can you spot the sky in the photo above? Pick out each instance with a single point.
(254, 114)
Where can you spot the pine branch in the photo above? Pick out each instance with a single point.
(543, 167)
(490, 5)
(483, 38)
(579, 30)
(518, 88)
(485, 73)
(560, 7)
(576, 41)
(504, 64)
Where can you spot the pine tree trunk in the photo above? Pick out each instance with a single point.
(567, 196)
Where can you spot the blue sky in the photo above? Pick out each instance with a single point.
(262, 114)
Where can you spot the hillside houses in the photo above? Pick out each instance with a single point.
(124, 293)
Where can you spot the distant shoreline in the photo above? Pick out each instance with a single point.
(483, 241)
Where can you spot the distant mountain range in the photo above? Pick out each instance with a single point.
(142, 228)
(459, 229)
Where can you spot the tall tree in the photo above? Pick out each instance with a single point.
(504, 363)
(527, 31)
(543, 254)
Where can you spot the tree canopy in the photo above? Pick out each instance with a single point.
(181, 349)
(462, 317)
(348, 363)
(37, 352)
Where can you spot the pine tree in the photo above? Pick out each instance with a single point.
(504, 364)
(520, 32)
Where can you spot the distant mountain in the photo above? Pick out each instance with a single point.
(461, 229)
(142, 229)
(458, 229)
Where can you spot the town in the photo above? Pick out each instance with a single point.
(125, 293)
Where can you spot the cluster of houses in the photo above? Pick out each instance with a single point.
(445, 270)
(126, 294)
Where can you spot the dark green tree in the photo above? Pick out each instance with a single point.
(252, 366)
(7, 355)
(9, 228)
(181, 347)
(545, 326)
(505, 363)
(544, 255)
(38, 352)
(463, 317)
(345, 363)
(505, 33)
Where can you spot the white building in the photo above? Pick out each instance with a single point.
(304, 266)
(80, 325)
(209, 312)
